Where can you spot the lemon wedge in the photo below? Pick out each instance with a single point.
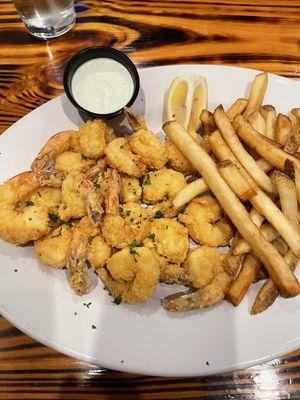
(185, 99)
(176, 103)
(198, 103)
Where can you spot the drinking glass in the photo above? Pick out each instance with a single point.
(46, 19)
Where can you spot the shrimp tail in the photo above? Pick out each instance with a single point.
(113, 192)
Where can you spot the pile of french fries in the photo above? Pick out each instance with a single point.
(253, 169)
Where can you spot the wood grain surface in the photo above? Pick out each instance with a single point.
(258, 34)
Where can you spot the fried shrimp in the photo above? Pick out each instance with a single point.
(52, 249)
(21, 223)
(211, 275)
(83, 233)
(131, 190)
(92, 138)
(79, 198)
(170, 239)
(98, 251)
(200, 265)
(177, 160)
(134, 121)
(131, 274)
(152, 151)
(122, 225)
(205, 222)
(69, 161)
(162, 184)
(120, 156)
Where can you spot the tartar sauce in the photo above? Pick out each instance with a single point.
(102, 85)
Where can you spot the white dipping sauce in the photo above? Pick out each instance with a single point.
(102, 85)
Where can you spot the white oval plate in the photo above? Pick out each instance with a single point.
(142, 338)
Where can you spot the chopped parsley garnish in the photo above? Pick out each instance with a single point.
(94, 327)
(87, 305)
(147, 181)
(15, 270)
(90, 239)
(30, 219)
(69, 224)
(181, 209)
(128, 212)
(53, 217)
(151, 236)
(121, 212)
(132, 245)
(167, 197)
(97, 185)
(131, 220)
(117, 300)
(29, 203)
(39, 193)
(122, 146)
(84, 157)
(75, 313)
(105, 288)
(159, 214)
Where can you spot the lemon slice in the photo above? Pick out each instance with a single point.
(198, 103)
(176, 102)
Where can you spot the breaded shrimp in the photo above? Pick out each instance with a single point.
(79, 198)
(177, 160)
(131, 190)
(134, 121)
(19, 224)
(69, 161)
(121, 225)
(92, 138)
(148, 146)
(77, 255)
(214, 280)
(205, 222)
(98, 252)
(52, 249)
(120, 156)
(170, 239)
(131, 274)
(200, 265)
(162, 184)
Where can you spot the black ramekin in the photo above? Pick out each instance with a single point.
(99, 52)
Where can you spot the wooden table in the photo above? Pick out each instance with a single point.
(263, 35)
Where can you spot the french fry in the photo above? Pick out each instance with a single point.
(269, 292)
(250, 267)
(281, 246)
(260, 201)
(269, 114)
(267, 148)
(267, 231)
(208, 122)
(287, 196)
(277, 268)
(264, 165)
(239, 151)
(236, 180)
(238, 107)
(257, 93)
(293, 140)
(190, 191)
(256, 120)
(283, 128)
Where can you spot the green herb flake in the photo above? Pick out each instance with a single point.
(29, 219)
(69, 224)
(75, 313)
(181, 209)
(87, 305)
(122, 146)
(105, 288)
(94, 327)
(132, 245)
(151, 236)
(29, 203)
(15, 270)
(39, 194)
(90, 239)
(159, 214)
(84, 157)
(53, 217)
(117, 300)
(128, 212)
(121, 212)
(147, 181)
(97, 185)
